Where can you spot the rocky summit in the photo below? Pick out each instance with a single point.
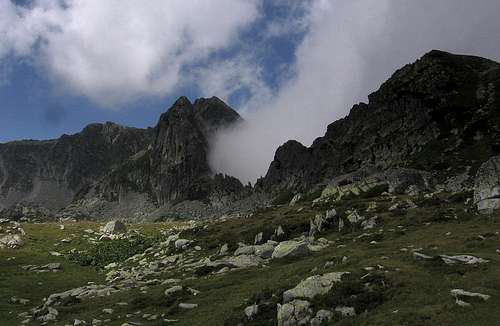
(392, 217)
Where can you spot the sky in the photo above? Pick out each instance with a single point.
(289, 67)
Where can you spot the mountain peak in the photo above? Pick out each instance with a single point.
(182, 101)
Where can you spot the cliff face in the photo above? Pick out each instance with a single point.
(109, 162)
(175, 166)
(441, 114)
(50, 173)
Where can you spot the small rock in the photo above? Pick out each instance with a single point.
(176, 288)
(193, 291)
(188, 305)
(420, 256)
(251, 311)
(463, 259)
(224, 249)
(259, 237)
(279, 233)
(181, 243)
(462, 295)
(295, 199)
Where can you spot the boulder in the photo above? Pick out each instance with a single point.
(462, 259)
(316, 225)
(259, 237)
(244, 250)
(188, 306)
(13, 241)
(290, 249)
(264, 251)
(487, 186)
(223, 249)
(114, 227)
(313, 286)
(251, 311)
(279, 234)
(370, 223)
(462, 295)
(297, 312)
(182, 243)
(322, 317)
(295, 199)
(174, 289)
(354, 217)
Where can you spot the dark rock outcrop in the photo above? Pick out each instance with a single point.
(51, 173)
(108, 170)
(439, 114)
(175, 166)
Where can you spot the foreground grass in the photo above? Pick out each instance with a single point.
(419, 293)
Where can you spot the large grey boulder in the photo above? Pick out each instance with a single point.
(291, 249)
(12, 241)
(297, 312)
(487, 185)
(313, 286)
(114, 227)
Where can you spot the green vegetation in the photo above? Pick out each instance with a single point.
(106, 252)
(403, 291)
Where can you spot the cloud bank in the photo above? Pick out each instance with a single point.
(350, 48)
(114, 51)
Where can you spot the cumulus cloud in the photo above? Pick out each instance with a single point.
(113, 51)
(350, 48)
(225, 78)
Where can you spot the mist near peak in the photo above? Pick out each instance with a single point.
(350, 48)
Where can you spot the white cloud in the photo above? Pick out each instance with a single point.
(113, 51)
(350, 48)
(224, 78)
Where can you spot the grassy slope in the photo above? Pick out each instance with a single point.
(419, 292)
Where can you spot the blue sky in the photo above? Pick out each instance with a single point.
(33, 106)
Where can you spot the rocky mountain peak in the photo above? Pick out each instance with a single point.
(438, 114)
(175, 167)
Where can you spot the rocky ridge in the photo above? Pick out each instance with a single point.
(439, 114)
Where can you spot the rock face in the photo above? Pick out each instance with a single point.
(175, 166)
(51, 173)
(437, 114)
(109, 167)
(487, 185)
